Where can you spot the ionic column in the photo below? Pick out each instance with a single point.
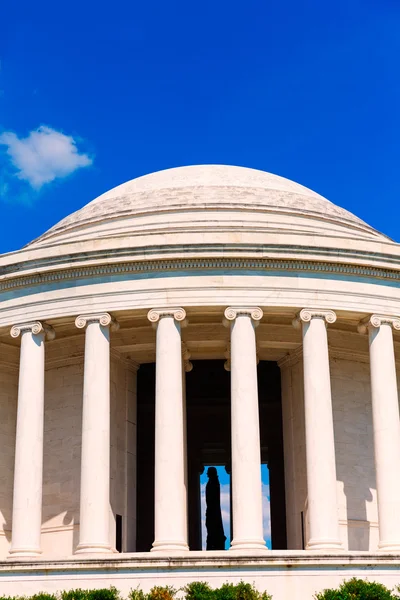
(94, 530)
(170, 512)
(246, 453)
(386, 425)
(320, 444)
(28, 473)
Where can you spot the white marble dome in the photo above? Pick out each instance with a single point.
(207, 198)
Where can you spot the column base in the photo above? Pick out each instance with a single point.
(392, 547)
(323, 545)
(248, 545)
(170, 546)
(24, 553)
(93, 549)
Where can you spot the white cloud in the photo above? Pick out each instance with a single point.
(266, 514)
(44, 155)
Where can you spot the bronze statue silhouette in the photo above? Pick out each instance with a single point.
(215, 529)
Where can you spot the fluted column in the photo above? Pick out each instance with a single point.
(320, 444)
(94, 530)
(170, 511)
(28, 472)
(386, 425)
(245, 425)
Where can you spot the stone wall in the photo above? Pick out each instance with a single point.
(62, 459)
(8, 415)
(62, 448)
(356, 486)
(355, 468)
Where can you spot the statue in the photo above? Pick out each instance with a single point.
(215, 529)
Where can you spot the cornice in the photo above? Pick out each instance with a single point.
(160, 266)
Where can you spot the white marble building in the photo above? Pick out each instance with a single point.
(105, 424)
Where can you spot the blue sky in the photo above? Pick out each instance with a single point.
(224, 480)
(92, 95)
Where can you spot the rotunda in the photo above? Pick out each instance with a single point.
(201, 315)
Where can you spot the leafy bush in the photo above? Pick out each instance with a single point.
(103, 594)
(161, 593)
(137, 594)
(197, 590)
(200, 590)
(358, 589)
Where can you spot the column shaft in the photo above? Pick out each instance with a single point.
(246, 452)
(320, 445)
(386, 424)
(170, 510)
(28, 472)
(94, 530)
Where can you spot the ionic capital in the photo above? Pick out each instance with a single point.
(306, 314)
(376, 321)
(35, 327)
(178, 314)
(232, 312)
(104, 319)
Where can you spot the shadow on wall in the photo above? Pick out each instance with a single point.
(62, 453)
(354, 450)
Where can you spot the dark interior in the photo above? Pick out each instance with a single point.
(208, 442)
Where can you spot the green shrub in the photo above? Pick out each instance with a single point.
(103, 594)
(227, 591)
(197, 590)
(137, 594)
(240, 591)
(358, 589)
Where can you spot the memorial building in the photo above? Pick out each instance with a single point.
(197, 316)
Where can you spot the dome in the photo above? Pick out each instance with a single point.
(196, 197)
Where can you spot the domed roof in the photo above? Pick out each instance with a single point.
(206, 188)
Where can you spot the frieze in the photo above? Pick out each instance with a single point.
(160, 266)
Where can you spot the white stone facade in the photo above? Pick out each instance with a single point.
(178, 265)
